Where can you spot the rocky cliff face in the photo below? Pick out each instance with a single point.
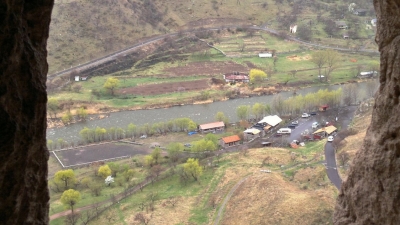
(24, 28)
(371, 194)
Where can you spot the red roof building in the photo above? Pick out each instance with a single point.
(230, 141)
(236, 77)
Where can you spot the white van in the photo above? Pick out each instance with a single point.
(284, 131)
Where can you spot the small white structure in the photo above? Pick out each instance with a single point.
(373, 22)
(265, 55)
(368, 74)
(293, 29)
(76, 78)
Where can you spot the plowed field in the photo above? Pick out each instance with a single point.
(163, 88)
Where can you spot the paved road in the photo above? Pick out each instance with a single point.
(151, 40)
(330, 165)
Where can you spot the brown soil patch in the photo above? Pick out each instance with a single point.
(163, 88)
(206, 68)
(269, 199)
(298, 58)
(165, 214)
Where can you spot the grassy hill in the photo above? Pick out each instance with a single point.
(84, 30)
(295, 190)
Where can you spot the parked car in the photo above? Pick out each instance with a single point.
(284, 131)
(291, 126)
(305, 115)
(330, 138)
(313, 113)
(296, 122)
(315, 125)
(143, 136)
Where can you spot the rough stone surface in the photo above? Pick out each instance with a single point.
(24, 28)
(371, 194)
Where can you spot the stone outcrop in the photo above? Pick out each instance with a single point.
(24, 29)
(371, 194)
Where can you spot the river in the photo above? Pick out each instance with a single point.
(203, 113)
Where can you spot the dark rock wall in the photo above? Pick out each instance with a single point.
(24, 29)
(371, 194)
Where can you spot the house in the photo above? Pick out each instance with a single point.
(265, 55)
(84, 78)
(323, 108)
(212, 127)
(346, 36)
(76, 78)
(230, 141)
(252, 133)
(360, 12)
(325, 131)
(341, 25)
(272, 121)
(236, 77)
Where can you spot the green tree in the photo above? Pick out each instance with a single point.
(115, 168)
(99, 133)
(258, 110)
(65, 176)
(149, 161)
(242, 112)
(69, 198)
(220, 116)
(174, 151)
(211, 137)
(67, 118)
(131, 130)
(128, 174)
(192, 168)
(111, 84)
(156, 155)
(53, 106)
(104, 171)
(82, 113)
(87, 134)
(257, 76)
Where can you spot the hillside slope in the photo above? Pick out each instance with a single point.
(84, 30)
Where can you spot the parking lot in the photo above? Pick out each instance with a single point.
(337, 117)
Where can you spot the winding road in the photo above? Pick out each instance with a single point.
(113, 56)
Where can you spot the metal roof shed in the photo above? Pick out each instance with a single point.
(271, 120)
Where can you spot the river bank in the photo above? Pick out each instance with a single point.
(100, 111)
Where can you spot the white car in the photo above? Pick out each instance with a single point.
(314, 125)
(330, 138)
(305, 115)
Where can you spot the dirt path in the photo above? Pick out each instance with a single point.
(221, 209)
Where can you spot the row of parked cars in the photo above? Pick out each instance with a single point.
(293, 124)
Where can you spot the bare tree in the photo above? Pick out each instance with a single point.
(142, 218)
(350, 94)
(344, 158)
(72, 219)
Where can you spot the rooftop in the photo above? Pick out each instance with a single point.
(211, 125)
(231, 139)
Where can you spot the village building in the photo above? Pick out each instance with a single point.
(212, 127)
(265, 55)
(77, 78)
(270, 121)
(251, 133)
(360, 12)
(236, 77)
(323, 108)
(230, 141)
(325, 131)
(341, 25)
